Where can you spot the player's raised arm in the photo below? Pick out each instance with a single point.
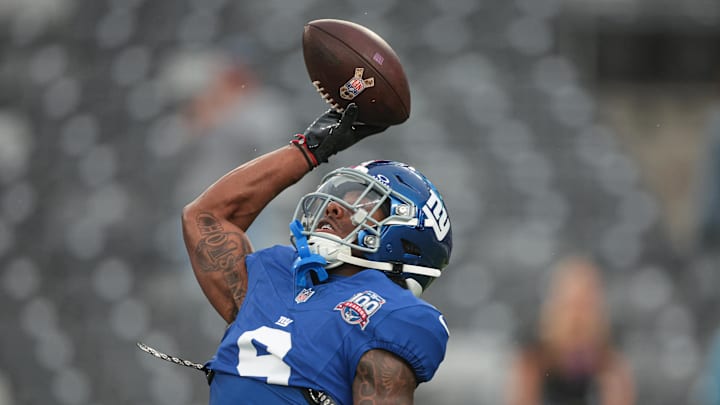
(214, 224)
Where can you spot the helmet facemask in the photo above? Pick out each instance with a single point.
(362, 196)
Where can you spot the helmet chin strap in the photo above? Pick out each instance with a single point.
(411, 283)
(384, 266)
(337, 253)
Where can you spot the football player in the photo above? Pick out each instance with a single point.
(334, 317)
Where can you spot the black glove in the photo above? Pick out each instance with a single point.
(332, 132)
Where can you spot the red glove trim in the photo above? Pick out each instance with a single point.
(299, 141)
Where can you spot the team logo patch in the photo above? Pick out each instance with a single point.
(356, 85)
(358, 309)
(304, 295)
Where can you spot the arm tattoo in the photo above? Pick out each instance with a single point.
(383, 378)
(218, 250)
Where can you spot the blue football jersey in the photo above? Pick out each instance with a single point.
(285, 336)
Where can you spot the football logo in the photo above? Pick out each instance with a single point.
(358, 309)
(356, 85)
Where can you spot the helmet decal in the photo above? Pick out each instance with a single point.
(383, 179)
(436, 216)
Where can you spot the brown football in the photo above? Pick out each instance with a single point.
(349, 63)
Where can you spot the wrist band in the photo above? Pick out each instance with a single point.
(299, 141)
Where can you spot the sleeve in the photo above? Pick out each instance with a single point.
(418, 334)
(270, 270)
(278, 259)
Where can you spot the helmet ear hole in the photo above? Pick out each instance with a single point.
(410, 248)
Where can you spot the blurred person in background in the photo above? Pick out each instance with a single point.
(572, 361)
(228, 86)
(709, 189)
(335, 318)
(709, 388)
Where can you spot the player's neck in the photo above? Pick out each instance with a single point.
(346, 269)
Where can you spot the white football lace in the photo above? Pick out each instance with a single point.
(326, 96)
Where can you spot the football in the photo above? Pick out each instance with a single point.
(349, 63)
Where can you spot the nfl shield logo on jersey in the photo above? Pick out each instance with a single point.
(304, 295)
(358, 309)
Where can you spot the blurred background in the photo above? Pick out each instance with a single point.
(551, 127)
